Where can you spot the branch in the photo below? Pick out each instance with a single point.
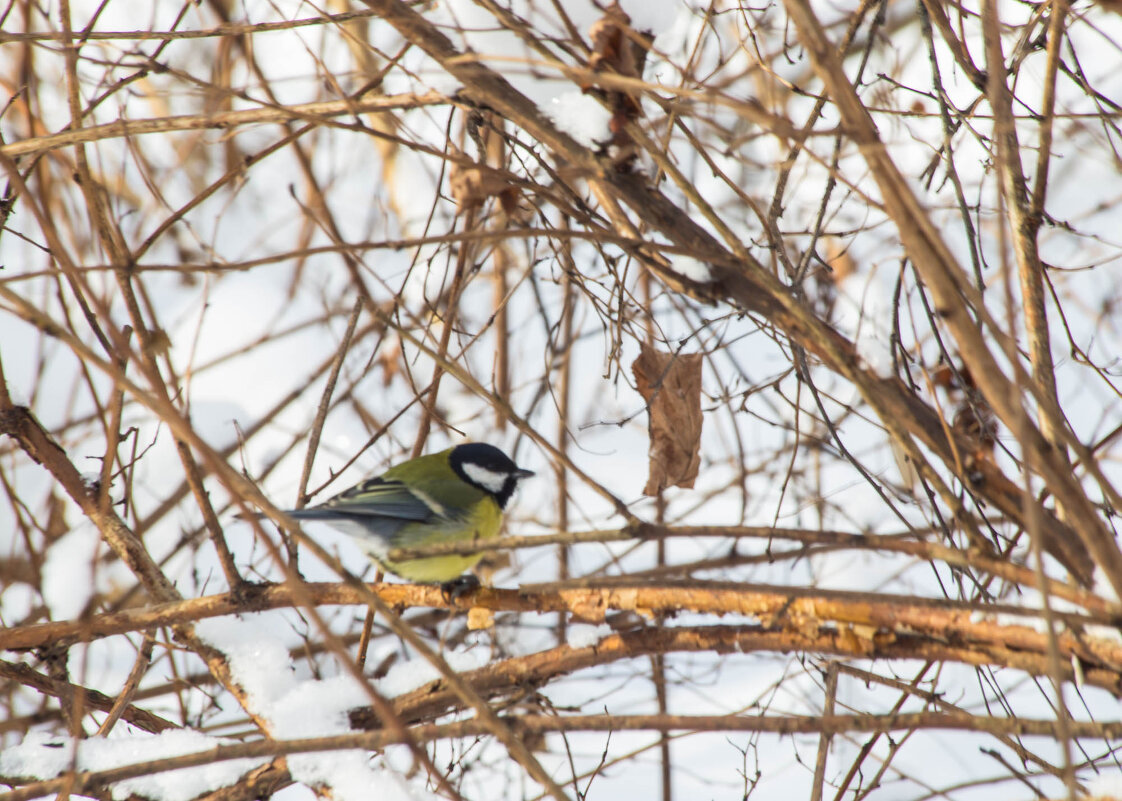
(83, 783)
(321, 110)
(517, 677)
(141, 718)
(872, 620)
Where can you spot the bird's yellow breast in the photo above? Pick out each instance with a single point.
(482, 523)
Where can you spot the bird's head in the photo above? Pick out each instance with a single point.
(486, 467)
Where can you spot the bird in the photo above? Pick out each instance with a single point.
(456, 495)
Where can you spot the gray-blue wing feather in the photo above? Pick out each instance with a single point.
(381, 498)
(373, 509)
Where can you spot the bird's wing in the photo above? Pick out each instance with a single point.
(375, 512)
(379, 497)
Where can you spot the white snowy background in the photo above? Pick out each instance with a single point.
(216, 320)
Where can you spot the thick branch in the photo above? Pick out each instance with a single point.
(542, 724)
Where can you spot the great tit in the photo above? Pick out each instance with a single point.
(457, 495)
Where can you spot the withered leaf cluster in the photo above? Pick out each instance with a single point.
(670, 383)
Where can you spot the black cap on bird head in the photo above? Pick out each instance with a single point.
(486, 467)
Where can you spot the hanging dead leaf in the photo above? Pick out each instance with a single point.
(615, 46)
(390, 360)
(841, 262)
(949, 379)
(976, 427)
(158, 342)
(57, 524)
(975, 422)
(620, 49)
(471, 186)
(671, 385)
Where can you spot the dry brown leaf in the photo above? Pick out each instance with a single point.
(57, 524)
(612, 47)
(390, 360)
(977, 427)
(841, 263)
(973, 419)
(671, 385)
(975, 422)
(618, 48)
(945, 376)
(158, 342)
(471, 186)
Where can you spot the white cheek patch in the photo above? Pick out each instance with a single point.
(488, 479)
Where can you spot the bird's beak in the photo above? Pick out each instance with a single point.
(521, 473)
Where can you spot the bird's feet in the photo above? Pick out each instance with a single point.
(460, 586)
